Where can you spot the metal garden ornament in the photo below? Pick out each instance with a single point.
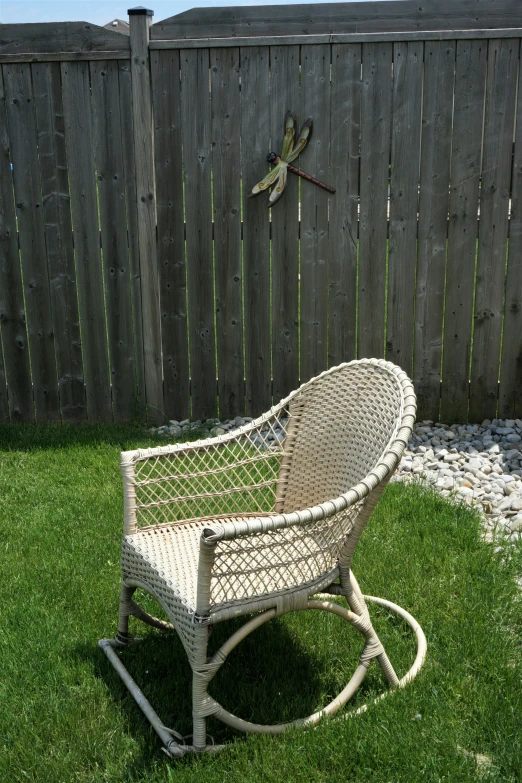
(276, 178)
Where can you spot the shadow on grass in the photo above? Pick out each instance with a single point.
(271, 677)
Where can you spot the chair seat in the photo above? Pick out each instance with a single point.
(166, 558)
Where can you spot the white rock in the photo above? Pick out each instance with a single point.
(505, 504)
(515, 523)
(465, 491)
(516, 503)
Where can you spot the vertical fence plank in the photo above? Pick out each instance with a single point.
(12, 307)
(59, 241)
(195, 107)
(494, 215)
(28, 195)
(405, 154)
(439, 68)
(110, 175)
(139, 20)
(510, 396)
(345, 129)
(84, 207)
(4, 403)
(129, 164)
(376, 103)
(171, 231)
(470, 73)
(255, 131)
(315, 103)
(225, 104)
(284, 96)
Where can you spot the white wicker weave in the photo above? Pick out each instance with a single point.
(258, 522)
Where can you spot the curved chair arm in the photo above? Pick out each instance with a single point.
(192, 463)
(225, 531)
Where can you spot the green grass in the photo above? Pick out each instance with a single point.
(65, 716)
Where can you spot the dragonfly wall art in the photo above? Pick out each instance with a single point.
(276, 178)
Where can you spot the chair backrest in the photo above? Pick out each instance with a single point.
(344, 420)
(345, 434)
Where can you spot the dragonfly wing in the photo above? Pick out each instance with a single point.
(288, 141)
(278, 189)
(304, 138)
(265, 183)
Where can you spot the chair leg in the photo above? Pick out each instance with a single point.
(353, 595)
(200, 680)
(123, 636)
(389, 671)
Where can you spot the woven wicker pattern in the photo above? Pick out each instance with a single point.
(235, 476)
(260, 520)
(216, 526)
(266, 563)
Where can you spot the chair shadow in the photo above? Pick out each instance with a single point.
(269, 678)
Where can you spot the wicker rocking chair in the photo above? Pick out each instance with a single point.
(259, 520)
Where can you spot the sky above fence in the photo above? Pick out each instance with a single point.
(102, 11)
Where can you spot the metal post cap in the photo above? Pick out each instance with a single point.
(140, 11)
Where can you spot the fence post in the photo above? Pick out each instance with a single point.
(139, 22)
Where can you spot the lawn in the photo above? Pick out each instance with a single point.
(65, 716)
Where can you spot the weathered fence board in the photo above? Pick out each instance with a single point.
(225, 142)
(315, 103)
(171, 232)
(12, 309)
(146, 213)
(195, 107)
(439, 72)
(110, 176)
(405, 154)
(59, 239)
(462, 231)
(494, 213)
(284, 96)
(299, 40)
(510, 392)
(129, 164)
(255, 130)
(287, 19)
(376, 104)
(4, 402)
(28, 195)
(345, 127)
(63, 37)
(84, 208)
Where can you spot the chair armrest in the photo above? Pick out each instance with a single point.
(234, 473)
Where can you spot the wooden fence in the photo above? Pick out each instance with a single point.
(135, 274)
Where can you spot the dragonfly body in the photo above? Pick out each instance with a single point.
(278, 176)
(273, 158)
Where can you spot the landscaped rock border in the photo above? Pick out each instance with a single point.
(480, 465)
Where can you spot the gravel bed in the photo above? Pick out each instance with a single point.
(480, 465)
